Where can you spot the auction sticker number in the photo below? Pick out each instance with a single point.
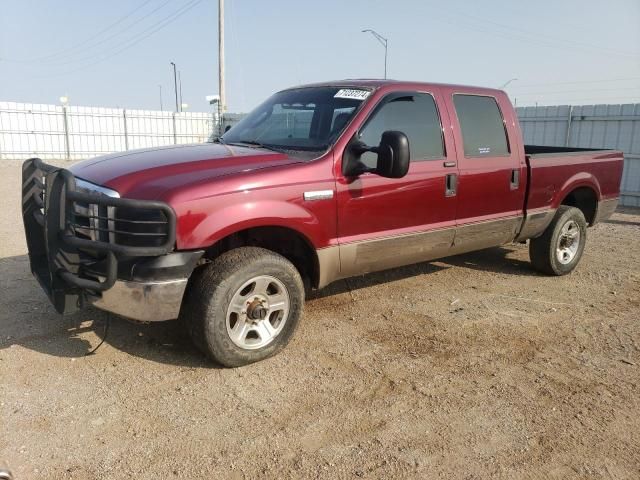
(352, 94)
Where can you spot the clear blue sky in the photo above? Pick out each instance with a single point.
(116, 53)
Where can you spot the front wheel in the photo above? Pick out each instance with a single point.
(244, 306)
(559, 249)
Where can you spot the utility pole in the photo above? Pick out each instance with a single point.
(180, 88)
(160, 87)
(222, 104)
(175, 85)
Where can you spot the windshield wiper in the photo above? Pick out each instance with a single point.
(253, 143)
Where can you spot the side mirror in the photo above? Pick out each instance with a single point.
(393, 155)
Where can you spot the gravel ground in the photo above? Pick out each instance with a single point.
(470, 367)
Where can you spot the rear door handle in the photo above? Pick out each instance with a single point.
(515, 179)
(449, 164)
(451, 185)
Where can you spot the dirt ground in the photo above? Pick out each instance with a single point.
(470, 367)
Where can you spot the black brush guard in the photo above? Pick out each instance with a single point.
(61, 259)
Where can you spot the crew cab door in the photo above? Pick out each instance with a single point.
(492, 184)
(386, 222)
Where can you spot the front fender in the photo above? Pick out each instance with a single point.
(205, 222)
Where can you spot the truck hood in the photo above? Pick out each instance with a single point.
(149, 173)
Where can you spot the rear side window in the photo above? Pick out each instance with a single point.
(415, 115)
(483, 131)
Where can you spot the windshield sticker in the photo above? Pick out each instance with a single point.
(352, 94)
(484, 150)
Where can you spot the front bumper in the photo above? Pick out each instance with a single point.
(144, 301)
(83, 244)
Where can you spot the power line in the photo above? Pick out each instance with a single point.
(577, 103)
(584, 100)
(86, 43)
(576, 82)
(116, 34)
(557, 92)
(133, 41)
(547, 17)
(537, 35)
(523, 35)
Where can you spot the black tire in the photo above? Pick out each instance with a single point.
(543, 251)
(211, 289)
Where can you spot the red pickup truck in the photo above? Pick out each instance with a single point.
(318, 183)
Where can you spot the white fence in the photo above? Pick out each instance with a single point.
(590, 126)
(53, 131)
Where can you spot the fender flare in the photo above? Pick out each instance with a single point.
(579, 180)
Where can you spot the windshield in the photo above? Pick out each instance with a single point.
(302, 122)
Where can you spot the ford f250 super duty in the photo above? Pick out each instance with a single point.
(319, 183)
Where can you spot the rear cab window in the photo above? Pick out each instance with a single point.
(482, 126)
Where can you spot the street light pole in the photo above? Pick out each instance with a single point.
(504, 85)
(175, 85)
(384, 43)
(160, 87)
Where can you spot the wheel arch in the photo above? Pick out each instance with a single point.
(585, 199)
(286, 241)
(583, 193)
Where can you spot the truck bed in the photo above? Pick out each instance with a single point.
(556, 172)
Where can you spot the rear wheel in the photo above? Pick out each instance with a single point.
(559, 249)
(244, 306)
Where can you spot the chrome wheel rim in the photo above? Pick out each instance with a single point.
(257, 312)
(568, 242)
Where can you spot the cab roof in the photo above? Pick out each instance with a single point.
(372, 83)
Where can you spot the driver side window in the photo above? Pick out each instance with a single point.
(415, 115)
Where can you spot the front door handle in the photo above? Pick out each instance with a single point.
(451, 185)
(515, 179)
(449, 164)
